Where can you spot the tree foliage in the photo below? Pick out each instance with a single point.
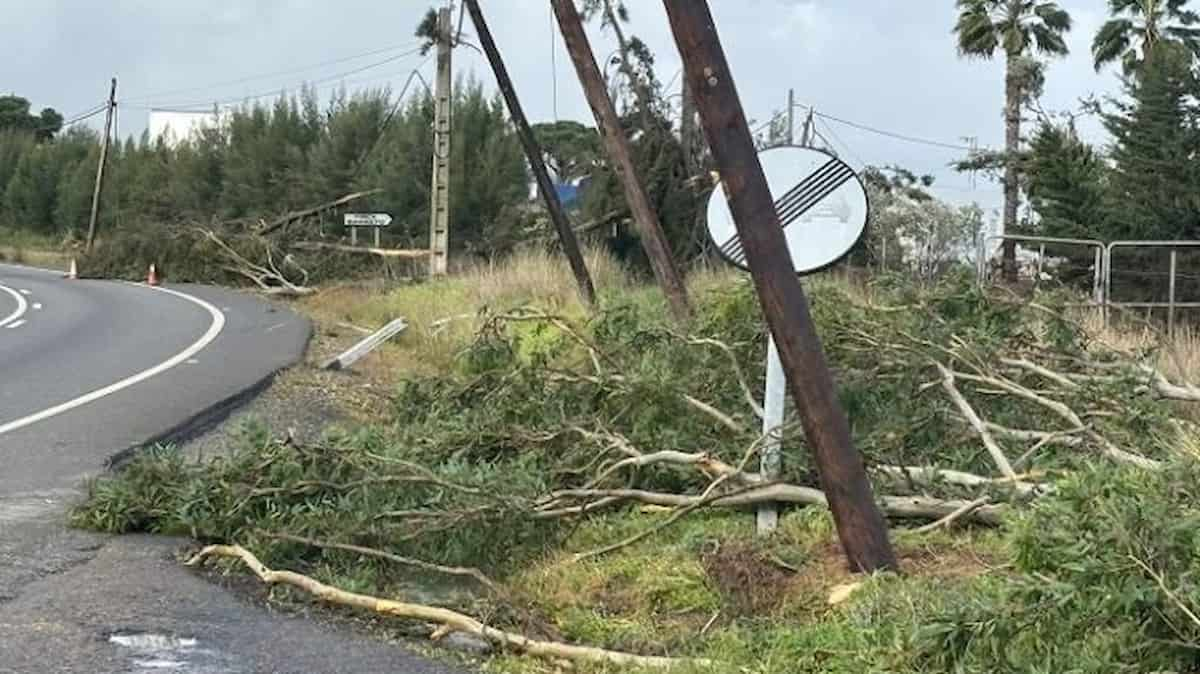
(1139, 27)
(1066, 182)
(265, 159)
(15, 115)
(1152, 191)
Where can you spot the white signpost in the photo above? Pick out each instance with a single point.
(823, 208)
(371, 220)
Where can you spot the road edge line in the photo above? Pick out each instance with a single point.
(214, 330)
(22, 306)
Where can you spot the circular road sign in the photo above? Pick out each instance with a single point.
(821, 202)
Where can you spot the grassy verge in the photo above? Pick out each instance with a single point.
(28, 249)
(505, 394)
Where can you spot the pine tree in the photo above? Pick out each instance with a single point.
(1065, 183)
(1152, 193)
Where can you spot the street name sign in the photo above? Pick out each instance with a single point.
(367, 219)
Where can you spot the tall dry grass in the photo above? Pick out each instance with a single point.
(443, 314)
(1176, 355)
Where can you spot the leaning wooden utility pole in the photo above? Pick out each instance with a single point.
(533, 153)
(687, 131)
(439, 207)
(791, 117)
(112, 105)
(654, 241)
(860, 526)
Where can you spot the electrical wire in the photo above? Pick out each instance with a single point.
(275, 92)
(836, 137)
(252, 78)
(356, 83)
(73, 119)
(891, 134)
(413, 76)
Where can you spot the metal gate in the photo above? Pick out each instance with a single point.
(1102, 271)
(1098, 255)
(1172, 302)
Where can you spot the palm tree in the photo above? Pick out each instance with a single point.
(1138, 25)
(1017, 27)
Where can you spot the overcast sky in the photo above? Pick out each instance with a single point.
(889, 64)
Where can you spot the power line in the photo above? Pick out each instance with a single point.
(413, 76)
(73, 119)
(553, 63)
(251, 78)
(891, 134)
(87, 115)
(277, 91)
(355, 83)
(843, 143)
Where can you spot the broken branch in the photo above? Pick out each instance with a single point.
(450, 620)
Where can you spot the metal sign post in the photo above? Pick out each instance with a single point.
(374, 221)
(823, 210)
(774, 400)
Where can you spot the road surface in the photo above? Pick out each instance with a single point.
(88, 371)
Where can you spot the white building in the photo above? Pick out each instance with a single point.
(174, 126)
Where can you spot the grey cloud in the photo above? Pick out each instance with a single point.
(884, 63)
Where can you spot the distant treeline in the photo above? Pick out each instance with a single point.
(268, 159)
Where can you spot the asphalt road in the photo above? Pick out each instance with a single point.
(89, 370)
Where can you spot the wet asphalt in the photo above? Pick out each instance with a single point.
(90, 371)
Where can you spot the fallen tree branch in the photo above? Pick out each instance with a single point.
(715, 413)
(950, 519)
(1047, 373)
(927, 475)
(467, 572)
(737, 369)
(972, 418)
(451, 620)
(900, 507)
(1162, 585)
(269, 278)
(1067, 414)
(678, 514)
(407, 254)
(289, 218)
(1068, 438)
(1162, 386)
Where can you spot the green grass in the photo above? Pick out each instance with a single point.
(487, 404)
(25, 248)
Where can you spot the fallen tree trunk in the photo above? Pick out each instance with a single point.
(289, 218)
(899, 507)
(452, 621)
(928, 475)
(408, 254)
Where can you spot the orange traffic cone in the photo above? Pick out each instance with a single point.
(152, 277)
(74, 272)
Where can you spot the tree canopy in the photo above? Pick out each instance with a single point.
(16, 115)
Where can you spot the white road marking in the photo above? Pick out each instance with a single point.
(15, 324)
(22, 306)
(218, 324)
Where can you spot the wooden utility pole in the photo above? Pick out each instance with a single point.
(860, 526)
(439, 207)
(112, 105)
(687, 131)
(654, 241)
(533, 152)
(791, 117)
